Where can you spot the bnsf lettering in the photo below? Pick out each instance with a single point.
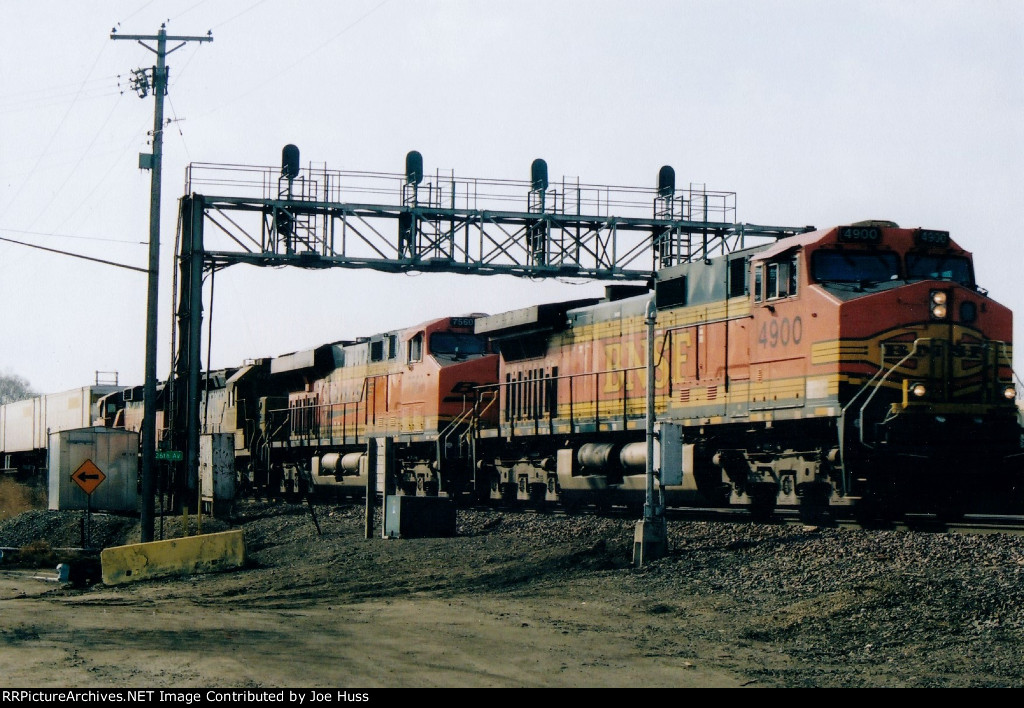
(961, 351)
(461, 391)
(625, 363)
(969, 351)
(464, 387)
(781, 333)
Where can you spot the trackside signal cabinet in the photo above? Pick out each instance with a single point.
(418, 517)
(105, 460)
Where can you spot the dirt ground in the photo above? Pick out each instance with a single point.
(346, 612)
(514, 600)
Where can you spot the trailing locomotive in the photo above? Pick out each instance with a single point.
(858, 366)
(301, 422)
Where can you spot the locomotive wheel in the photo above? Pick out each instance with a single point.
(874, 511)
(537, 492)
(762, 501)
(814, 509)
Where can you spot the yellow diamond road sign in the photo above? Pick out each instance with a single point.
(88, 476)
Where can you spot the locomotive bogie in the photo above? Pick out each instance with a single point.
(526, 480)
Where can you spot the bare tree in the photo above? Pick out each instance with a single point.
(14, 388)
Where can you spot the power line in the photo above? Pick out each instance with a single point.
(76, 237)
(74, 255)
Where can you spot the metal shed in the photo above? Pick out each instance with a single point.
(99, 459)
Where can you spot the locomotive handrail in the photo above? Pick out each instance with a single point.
(493, 400)
(878, 385)
(457, 421)
(603, 410)
(879, 376)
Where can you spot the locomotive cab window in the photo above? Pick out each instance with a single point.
(457, 345)
(737, 277)
(939, 267)
(416, 348)
(863, 267)
(779, 279)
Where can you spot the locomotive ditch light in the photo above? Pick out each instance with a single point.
(913, 390)
(939, 299)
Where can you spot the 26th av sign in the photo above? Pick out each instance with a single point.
(88, 476)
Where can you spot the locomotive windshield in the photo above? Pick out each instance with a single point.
(458, 345)
(929, 267)
(849, 267)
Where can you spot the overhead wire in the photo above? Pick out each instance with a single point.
(261, 85)
(75, 255)
(76, 237)
(14, 197)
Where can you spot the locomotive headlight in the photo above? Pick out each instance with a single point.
(918, 389)
(1009, 393)
(939, 300)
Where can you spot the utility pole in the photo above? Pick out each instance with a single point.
(144, 80)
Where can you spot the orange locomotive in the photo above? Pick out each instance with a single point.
(856, 366)
(302, 422)
(415, 387)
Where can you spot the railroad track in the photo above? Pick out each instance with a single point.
(924, 523)
(979, 523)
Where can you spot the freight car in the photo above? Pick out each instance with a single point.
(859, 366)
(25, 425)
(25, 429)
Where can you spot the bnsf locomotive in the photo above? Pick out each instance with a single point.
(303, 420)
(857, 366)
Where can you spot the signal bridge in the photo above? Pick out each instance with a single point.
(318, 218)
(312, 217)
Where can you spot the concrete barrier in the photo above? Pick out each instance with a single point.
(205, 553)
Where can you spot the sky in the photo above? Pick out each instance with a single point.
(812, 112)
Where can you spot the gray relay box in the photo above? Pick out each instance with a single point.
(418, 517)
